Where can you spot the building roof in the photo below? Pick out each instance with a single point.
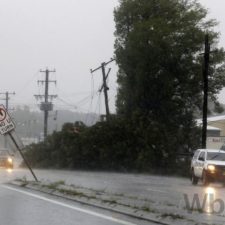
(213, 128)
(216, 118)
(211, 119)
(199, 123)
(211, 150)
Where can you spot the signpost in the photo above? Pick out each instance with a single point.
(7, 127)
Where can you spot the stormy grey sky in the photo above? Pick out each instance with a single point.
(71, 36)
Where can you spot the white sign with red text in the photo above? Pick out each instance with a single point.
(6, 123)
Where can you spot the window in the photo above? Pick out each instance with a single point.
(202, 155)
(218, 156)
(196, 154)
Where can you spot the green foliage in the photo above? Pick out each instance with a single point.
(158, 46)
(102, 146)
(116, 145)
(218, 108)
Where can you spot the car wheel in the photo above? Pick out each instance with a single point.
(205, 179)
(194, 179)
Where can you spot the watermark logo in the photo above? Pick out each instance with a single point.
(208, 204)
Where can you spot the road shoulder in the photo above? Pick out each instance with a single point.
(132, 206)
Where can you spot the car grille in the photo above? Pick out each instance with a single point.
(220, 168)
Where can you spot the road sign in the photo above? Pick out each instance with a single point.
(6, 123)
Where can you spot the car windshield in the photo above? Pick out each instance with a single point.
(218, 156)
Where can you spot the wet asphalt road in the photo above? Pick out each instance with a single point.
(166, 190)
(19, 206)
(159, 188)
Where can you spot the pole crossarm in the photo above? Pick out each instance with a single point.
(104, 63)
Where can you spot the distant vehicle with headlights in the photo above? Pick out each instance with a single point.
(6, 159)
(208, 165)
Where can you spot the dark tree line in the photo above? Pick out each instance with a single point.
(117, 145)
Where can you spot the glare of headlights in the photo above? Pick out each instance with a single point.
(211, 167)
(10, 160)
(9, 170)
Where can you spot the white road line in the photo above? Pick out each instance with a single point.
(149, 189)
(70, 206)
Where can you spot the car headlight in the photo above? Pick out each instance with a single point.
(211, 167)
(10, 160)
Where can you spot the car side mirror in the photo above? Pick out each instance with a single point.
(201, 159)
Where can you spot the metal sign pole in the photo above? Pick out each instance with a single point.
(21, 153)
(7, 127)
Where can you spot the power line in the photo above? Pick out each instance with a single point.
(67, 103)
(92, 97)
(27, 84)
(97, 106)
(71, 105)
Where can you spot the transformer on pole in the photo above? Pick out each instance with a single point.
(47, 104)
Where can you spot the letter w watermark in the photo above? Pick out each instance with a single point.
(208, 204)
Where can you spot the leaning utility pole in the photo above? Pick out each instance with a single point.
(104, 85)
(47, 105)
(205, 89)
(6, 98)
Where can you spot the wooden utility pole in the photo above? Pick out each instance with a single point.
(7, 94)
(104, 85)
(47, 105)
(205, 90)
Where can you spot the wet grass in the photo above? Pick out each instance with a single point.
(110, 201)
(71, 192)
(54, 185)
(173, 216)
(58, 186)
(199, 210)
(148, 209)
(23, 181)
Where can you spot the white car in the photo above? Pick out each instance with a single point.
(208, 165)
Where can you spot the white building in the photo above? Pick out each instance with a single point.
(215, 131)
